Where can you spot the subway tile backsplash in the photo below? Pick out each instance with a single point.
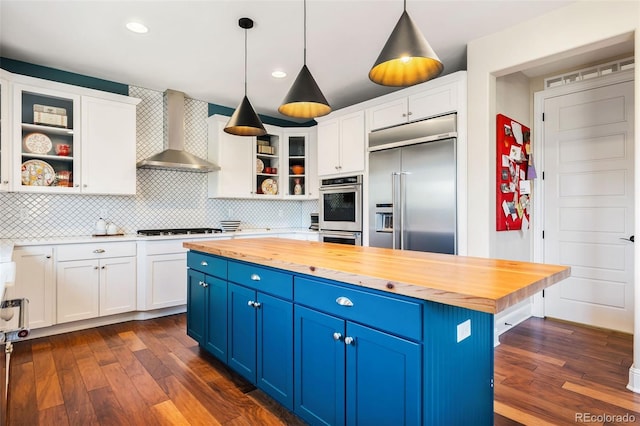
(164, 199)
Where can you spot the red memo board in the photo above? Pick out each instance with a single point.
(513, 190)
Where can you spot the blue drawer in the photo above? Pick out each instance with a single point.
(395, 315)
(262, 279)
(210, 265)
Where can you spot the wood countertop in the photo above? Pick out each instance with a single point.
(487, 285)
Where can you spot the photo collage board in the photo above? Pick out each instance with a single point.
(513, 186)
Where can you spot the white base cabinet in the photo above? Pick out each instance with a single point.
(102, 281)
(35, 281)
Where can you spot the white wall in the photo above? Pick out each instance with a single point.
(513, 100)
(573, 29)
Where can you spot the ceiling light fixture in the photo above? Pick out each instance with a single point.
(245, 121)
(407, 58)
(137, 27)
(305, 99)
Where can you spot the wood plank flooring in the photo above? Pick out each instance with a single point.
(151, 373)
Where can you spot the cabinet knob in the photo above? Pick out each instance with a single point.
(344, 301)
(84, 186)
(95, 267)
(202, 284)
(250, 303)
(404, 115)
(204, 263)
(48, 257)
(254, 304)
(337, 336)
(6, 182)
(98, 251)
(410, 113)
(76, 185)
(255, 277)
(349, 340)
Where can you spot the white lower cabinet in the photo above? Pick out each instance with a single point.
(35, 281)
(95, 280)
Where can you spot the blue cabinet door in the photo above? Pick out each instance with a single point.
(275, 348)
(319, 361)
(216, 323)
(196, 305)
(384, 378)
(241, 315)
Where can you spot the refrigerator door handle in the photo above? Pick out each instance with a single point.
(394, 211)
(402, 207)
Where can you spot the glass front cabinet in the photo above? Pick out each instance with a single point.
(45, 123)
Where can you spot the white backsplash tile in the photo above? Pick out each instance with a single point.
(164, 199)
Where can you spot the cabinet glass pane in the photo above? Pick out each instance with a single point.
(297, 165)
(267, 165)
(47, 140)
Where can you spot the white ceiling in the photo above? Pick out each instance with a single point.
(197, 46)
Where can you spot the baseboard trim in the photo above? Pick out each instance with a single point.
(502, 323)
(634, 379)
(100, 321)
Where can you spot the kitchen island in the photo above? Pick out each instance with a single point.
(357, 335)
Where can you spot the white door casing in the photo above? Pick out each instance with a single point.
(588, 203)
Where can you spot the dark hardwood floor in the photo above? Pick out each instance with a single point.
(151, 373)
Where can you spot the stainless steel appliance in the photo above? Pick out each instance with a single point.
(341, 204)
(315, 222)
(177, 231)
(341, 237)
(412, 186)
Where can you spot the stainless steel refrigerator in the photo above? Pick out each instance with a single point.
(412, 186)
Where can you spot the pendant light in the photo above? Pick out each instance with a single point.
(245, 121)
(305, 99)
(407, 58)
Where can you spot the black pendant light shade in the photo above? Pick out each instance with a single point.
(245, 121)
(305, 99)
(407, 58)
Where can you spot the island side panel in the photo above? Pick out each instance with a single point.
(458, 374)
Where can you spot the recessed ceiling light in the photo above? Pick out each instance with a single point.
(137, 27)
(278, 74)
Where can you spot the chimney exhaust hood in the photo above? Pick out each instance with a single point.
(174, 157)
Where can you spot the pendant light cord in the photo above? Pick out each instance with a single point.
(245, 62)
(304, 58)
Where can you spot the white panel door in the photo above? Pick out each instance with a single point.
(589, 195)
(117, 285)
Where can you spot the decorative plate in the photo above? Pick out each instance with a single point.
(37, 173)
(38, 143)
(259, 165)
(269, 187)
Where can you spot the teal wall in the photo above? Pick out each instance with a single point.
(39, 71)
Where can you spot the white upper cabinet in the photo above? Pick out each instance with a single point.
(5, 142)
(341, 144)
(261, 168)
(429, 102)
(108, 147)
(68, 139)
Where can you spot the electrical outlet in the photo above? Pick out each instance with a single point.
(464, 330)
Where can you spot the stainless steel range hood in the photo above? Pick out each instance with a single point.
(174, 157)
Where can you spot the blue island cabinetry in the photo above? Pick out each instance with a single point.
(339, 354)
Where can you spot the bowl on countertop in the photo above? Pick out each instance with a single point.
(229, 225)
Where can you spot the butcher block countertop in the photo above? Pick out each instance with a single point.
(487, 285)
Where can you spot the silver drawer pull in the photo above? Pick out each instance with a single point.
(204, 263)
(99, 251)
(344, 301)
(255, 277)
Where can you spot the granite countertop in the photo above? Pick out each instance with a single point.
(481, 284)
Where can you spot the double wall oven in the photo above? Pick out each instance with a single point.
(340, 218)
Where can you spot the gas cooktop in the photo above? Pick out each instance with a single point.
(177, 231)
